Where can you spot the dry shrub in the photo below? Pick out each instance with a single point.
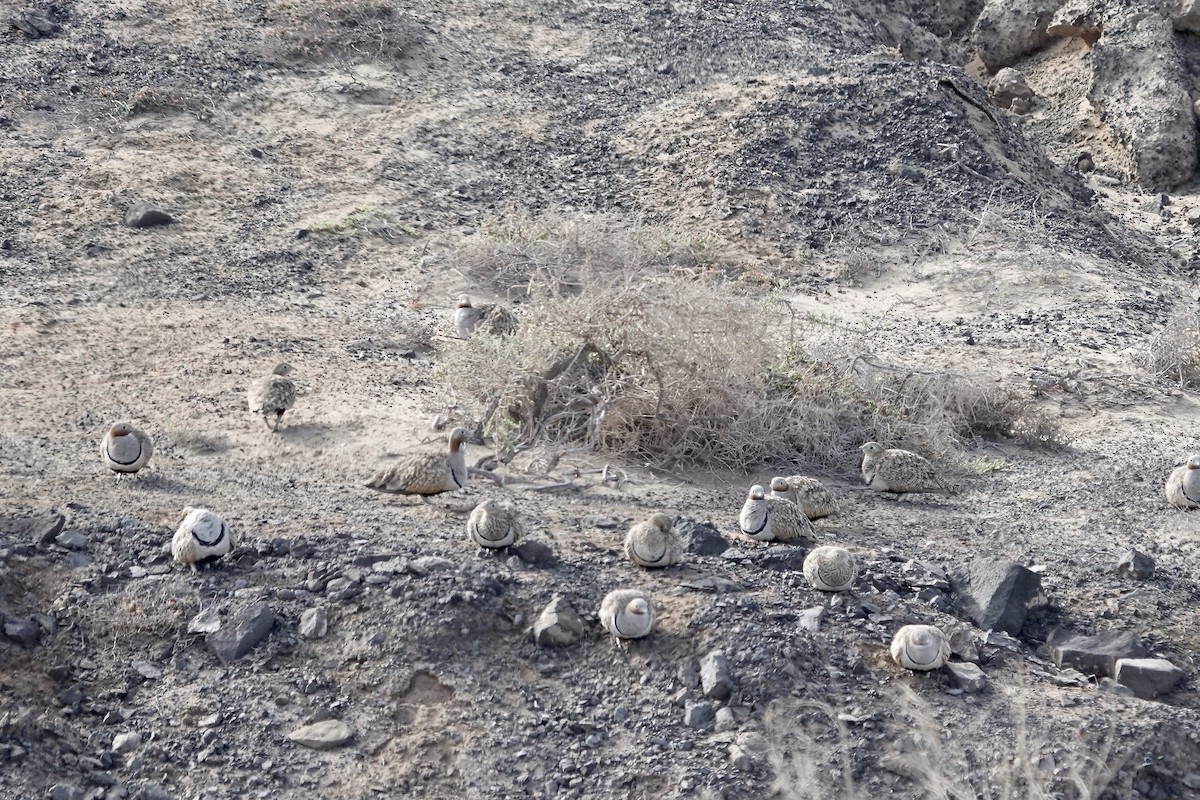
(815, 754)
(617, 354)
(354, 31)
(154, 608)
(1174, 352)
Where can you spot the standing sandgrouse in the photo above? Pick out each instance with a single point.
(494, 526)
(202, 537)
(466, 317)
(627, 614)
(427, 473)
(899, 471)
(813, 497)
(654, 543)
(125, 449)
(273, 394)
(920, 647)
(1183, 484)
(765, 519)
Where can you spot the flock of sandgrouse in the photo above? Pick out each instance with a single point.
(785, 514)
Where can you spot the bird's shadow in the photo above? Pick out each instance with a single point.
(162, 483)
(304, 431)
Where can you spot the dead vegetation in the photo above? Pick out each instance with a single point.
(1174, 352)
(351, 31)
(622, 351)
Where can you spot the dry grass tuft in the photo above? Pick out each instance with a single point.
(815, 754)
(1174, 352)
(617, 352)
(146, 608)
(352, 31)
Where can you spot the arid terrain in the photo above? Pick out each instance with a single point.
(739, 239)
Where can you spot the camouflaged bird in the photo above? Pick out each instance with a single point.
(830, 568)
(766, 519)
(202, 538)
(427, 473)
(125, 449)
(654, 543)
(920, 647)
(899, 471)
(1183, 484)
(487, 318)
(494, 526)
(272, 395)
(813, 497)
(627, 614)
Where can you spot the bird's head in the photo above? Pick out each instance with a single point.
(756, 492)
(282, 368)
(874, 448)
(121, 429)
(779, 484)
(638, 607)
(1193, 461)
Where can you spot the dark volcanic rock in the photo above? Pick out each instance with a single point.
(145, 215)
(995, 593)
(1147, 677)
(1094, 655)
(1136, 565)
(714, 676)
(244, 629)
(40, 527)
(22, 631)
(700, 538)
(534, 553)
(558, 625)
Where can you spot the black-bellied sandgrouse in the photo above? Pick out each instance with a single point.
(627, 614)
(427, 473)
(920, 647)
(1183, 484)
(201, 538)
(125, 449)
(654, 543)
(813, 497)
(273, 394)
(766, 519)
(830, 568)
(899, 471)
(493, 526)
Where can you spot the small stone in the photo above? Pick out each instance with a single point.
(38, 528)
(620, 714)
(698, 714)
(739, 758)
(243, 631)
(22, 631)
(1147, 677)
(65, 791)
(726, 721)
(810, 619)
(558, 625)
(1094, 655)
(314, 623)
(535, 553)
(151, 791)
(145, 215)
(71, 540)
(126, 742)
(324, 735)
(969, 677)
(147, 670)
(962, 644)
(71, 696)
(1136, 565)
(206, 621)
(700, 538)
(783, 558)
(428, 564)
(714, 676)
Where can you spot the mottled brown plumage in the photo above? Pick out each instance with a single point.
(654, 543)
(899, 471)
(830, 568)
(427, 473)
(627, 614)
(766, 519)
(272, 395)
(494, 526)
(813, 497)
(920, 647)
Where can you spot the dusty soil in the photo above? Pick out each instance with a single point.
(325, 168)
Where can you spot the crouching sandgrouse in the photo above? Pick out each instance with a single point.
(899, 471)
(920, 647)
(125, 449)
(830, 568)
(627, 614)
(813, 497)
(494, 526)
(202, 538)
(273, 394)
(1183, 484)
(654, 543)
(766, 519)
(426, 473)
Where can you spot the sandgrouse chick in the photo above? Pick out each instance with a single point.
(772, 518)
(273, 394)
(920, 647)
(830, 568)
(427, 473)
(1183, 484)
(202, 537)
(627, 614)
(654, 543)
(899, 471)
(125, 449)
(494, 526)
(813, 497)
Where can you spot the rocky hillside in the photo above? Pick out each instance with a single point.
(907, 212)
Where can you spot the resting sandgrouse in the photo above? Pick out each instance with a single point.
(202, 537)
(1183, 484)
(765, 519)
(627, 614)
(830, 568)
(494, 526)
(427, 473)
(125, 449)
(813, 497)
(654, 543)
(899, 471)
(920, 647)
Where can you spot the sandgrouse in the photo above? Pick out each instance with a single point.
(830, 568)
(772, 518)
(627, 614)
(813, 497)
(899, 471)
(427, 473)
(654, 543)
(202, 537)
(273, 394)
(494, 526)
(125, 449)
(1183, 484)
(920, 647)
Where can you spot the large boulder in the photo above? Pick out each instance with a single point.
(995, 593)
(1008, 29)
